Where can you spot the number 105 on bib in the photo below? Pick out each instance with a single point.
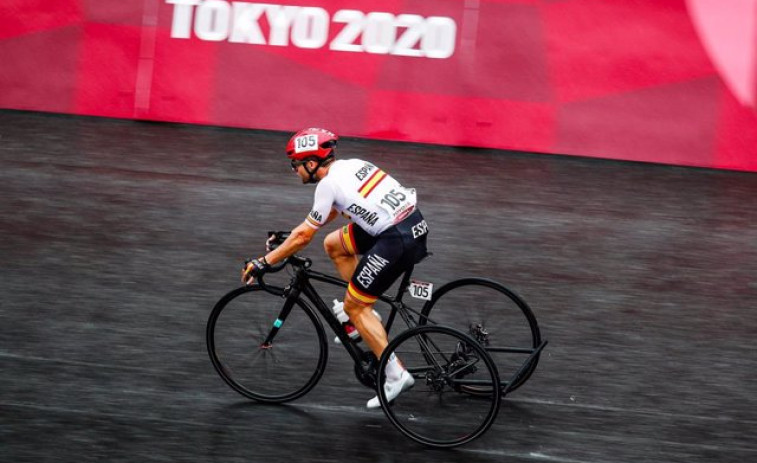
(421, 289)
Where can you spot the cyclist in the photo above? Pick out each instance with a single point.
(386, 236)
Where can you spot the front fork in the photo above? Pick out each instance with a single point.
(286, 309)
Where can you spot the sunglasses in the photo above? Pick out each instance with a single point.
(296, 164)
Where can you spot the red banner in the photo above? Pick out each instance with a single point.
(669, 81)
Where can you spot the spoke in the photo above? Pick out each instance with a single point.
(258, 332)
(273, 355)
(256, 356)
(427, 351)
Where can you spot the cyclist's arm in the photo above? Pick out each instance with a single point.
(304, 233)
(332, 215)
(301, 236)
(298, 240)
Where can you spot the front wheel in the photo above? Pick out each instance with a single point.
(497, 318)
(435, 411)
(265, 347)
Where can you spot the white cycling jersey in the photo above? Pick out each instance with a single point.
(363, 193)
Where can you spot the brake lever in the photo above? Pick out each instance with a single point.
(275, 239)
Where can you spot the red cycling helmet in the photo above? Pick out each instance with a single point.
(311, 143)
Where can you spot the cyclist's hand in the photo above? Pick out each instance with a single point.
(252, 269)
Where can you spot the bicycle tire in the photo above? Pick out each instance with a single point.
(435, 412)
(509, 321)
(280, 372)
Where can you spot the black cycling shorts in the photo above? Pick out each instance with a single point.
(385, 257)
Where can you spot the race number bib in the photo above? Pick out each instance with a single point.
(306, 143)
(397, 202)
(421, 289)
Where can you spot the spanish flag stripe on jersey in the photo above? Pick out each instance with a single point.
(372, 182)
(361, 296)
(348, 241)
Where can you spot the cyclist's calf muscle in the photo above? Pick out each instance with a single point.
(367, 324)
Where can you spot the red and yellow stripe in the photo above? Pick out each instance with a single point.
(361, 296)
(372, 183)
(348, 240)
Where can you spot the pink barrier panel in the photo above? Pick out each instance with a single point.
(669, 81)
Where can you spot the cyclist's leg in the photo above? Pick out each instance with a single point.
(377, 270)
(380, 266)
(342, 251)
(384, 259)
(370, 328)
(365, 321)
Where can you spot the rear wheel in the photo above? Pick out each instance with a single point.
(435, 411)
(266, 348)
(497, 318)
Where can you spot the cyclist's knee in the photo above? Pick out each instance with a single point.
(332, 244)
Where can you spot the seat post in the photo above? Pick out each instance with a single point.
(404, 283)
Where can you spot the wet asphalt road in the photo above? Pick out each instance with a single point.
(117, 237)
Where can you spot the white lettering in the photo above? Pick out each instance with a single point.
(419, 229)
(311, 28)
(246, 28)
(181, 24)
(439, 39)
(212, 20)
(371, 269)
(355, 21)
(280, 18)
(308, 27)
(408, 41)
(379, 33)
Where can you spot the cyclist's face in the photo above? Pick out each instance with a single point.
(295, 164)
(297, 167)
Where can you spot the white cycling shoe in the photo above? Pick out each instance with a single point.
(393, 389)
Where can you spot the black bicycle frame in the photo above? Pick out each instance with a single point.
(301, 285)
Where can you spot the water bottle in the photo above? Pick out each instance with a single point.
(338, 310)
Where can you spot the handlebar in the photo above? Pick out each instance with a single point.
(295, 261)
(275, 238)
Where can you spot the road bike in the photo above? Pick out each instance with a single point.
(268, 343)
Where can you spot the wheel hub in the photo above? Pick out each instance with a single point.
(479, 333)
